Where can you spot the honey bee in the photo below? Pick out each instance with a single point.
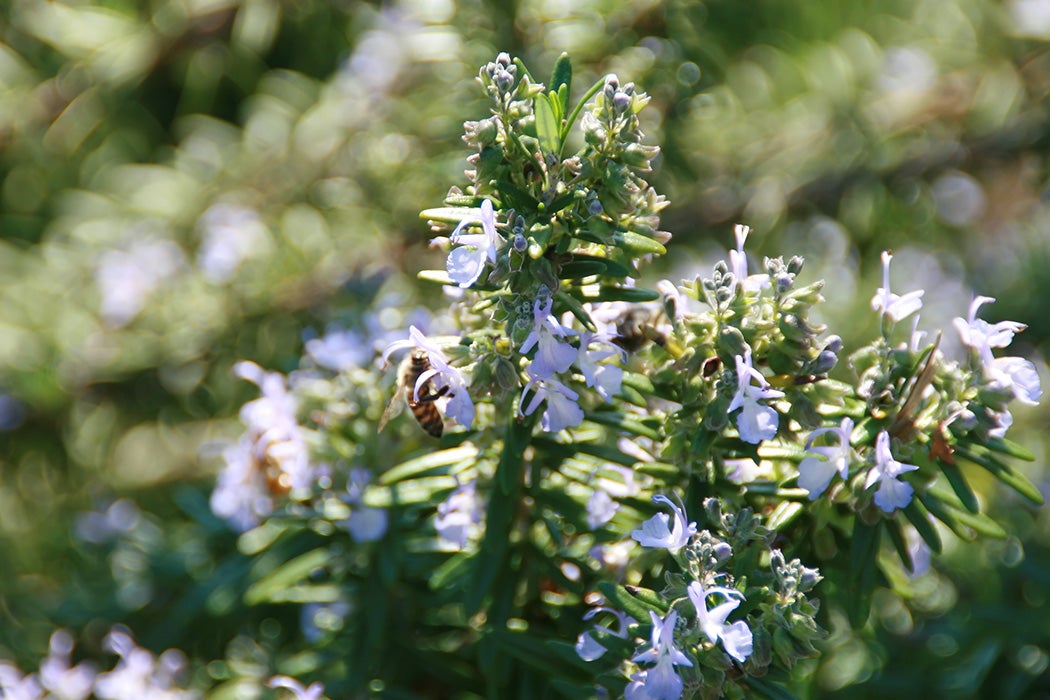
(424, 410)
(634, 328)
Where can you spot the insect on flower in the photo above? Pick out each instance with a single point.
(421, 399)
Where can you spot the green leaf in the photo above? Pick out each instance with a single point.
(574, 306)
(420, 466)
(629, 424)
(940, 510)
(1009, 476)
(611, 267)
(863, 555)
(450, 215)
(637, 606)
(260, 538)
(547, 128)
(273, 585)
(629, 294)
(766, 689)
(637, 244)
(784, 514)
(441, 277)
(959, 486)
(980, 523)
(893, 528)
(1009, 448)
(561, 77)
(917, 516)
(578, 269)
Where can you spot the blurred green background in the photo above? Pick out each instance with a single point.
(187, 183)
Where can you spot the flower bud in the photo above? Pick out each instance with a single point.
(594, 207)
(833, 344)
(520, 242)
(795, 264)
(721, 552)
(825, 362)
(621, 102)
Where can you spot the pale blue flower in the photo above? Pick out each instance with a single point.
(893, 492)
(604, 377)
(662, 682)
(466, 262)
(755, 422)
(889, 304)
(655, 531)
(553, 354)
(736, 638)
(587, 646)
(815, 473)
(561, 410)
(62, 680)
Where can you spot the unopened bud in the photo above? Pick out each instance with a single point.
(825, 362)
(621, 102)
(833, 344)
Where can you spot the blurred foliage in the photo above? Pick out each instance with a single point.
(137, 135)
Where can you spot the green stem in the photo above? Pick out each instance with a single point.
(579, 107)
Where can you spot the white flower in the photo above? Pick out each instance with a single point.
(561, 410)
(458, 517)
(553, 356)
(16, 686)
(63, 681)
(299, 691)
(466, 262)
(1012, 374)
(1018, 375)
(893, 493)
(604, 377)
(126, 279)
(738, 263)
(139, 674)
(755, 422)
(587, 646)
(270, 459)
(736, 638)
(656, 533)
(815, 473)
(661, 682)
(891, 305)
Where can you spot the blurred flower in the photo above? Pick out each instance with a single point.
(755, 422)
(587, 646)
(339, 349)
(604, 377)
(319, 619)
(366, 523)
(14, 685)
(459, 515)
(138, 674)
(466, 261)
(600, 508)
(12, 412)
(270, 459)
(815, 473)
(907, 69)
(552, 355)
(314, 692)
(63, 681)
(656, 533)
(561, 410)
(959, 198)
(661, 682)
(891, 305)
(736, 637)
(126, 279)
(893, 492)
(230, 234)
(121, 517)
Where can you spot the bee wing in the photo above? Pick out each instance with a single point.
(391, 409)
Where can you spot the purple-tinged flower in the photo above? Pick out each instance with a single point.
(736, 638)
(561, 410)
(1018, 375)
(458, 517)
(230, 234)
(553, 355)
(983, 336)
(655, 531)
(587, 645)
(893, 492)
(340, 349)
(815, 473)
(300, 692)
(466, 262)
(756, 422)
(138, 674)
(661, 682)
(738, 263)
(459, 406)
(889, 304)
